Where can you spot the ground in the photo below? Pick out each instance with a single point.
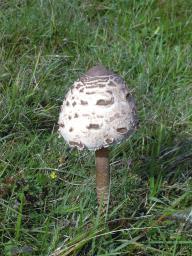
(47, 191)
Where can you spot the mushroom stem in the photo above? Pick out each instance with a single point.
(102, 176)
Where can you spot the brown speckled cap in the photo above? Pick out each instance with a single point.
(97, 111)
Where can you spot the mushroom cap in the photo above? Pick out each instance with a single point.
(98, 111)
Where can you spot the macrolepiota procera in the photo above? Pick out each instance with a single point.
(97, 112)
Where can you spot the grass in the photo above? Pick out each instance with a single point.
(48, 202)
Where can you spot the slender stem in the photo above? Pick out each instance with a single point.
(102, 176)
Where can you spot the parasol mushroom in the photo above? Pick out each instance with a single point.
(98, 111)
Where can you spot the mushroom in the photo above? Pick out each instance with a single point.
(97, 112)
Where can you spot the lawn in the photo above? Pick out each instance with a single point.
(47, 191)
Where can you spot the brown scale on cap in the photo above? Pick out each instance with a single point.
(89, 93)
(95, 86)
(122, 130)
(118, 80)
(83, 102)
(76, 115)
(79, 85)
(109, 141)
(90, 80)
(110, 92)
(93, 126)
(105, 102)
(77, 144)
(128, 96)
